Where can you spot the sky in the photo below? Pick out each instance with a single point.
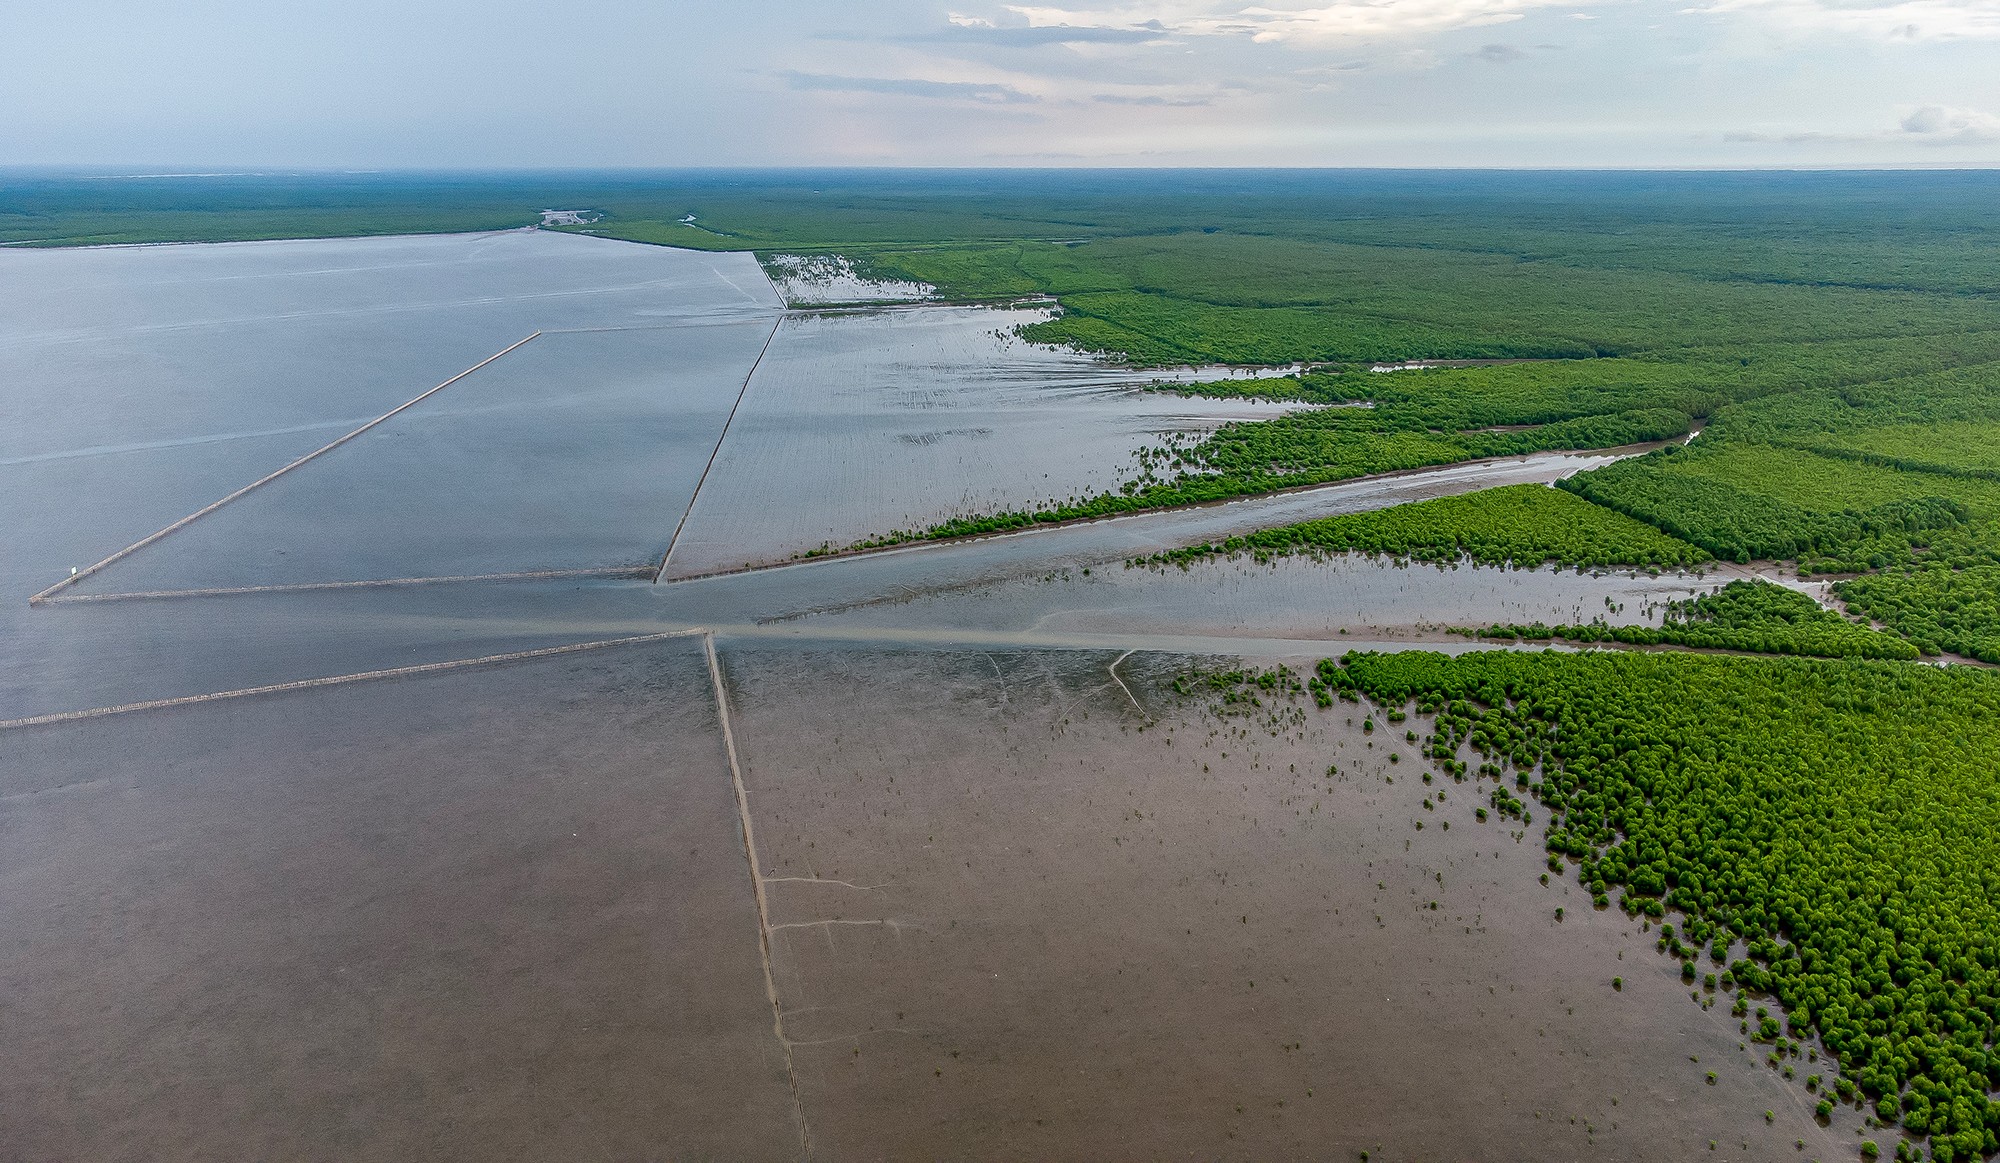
(365, 84)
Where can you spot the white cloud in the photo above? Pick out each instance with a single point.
(1913, 20)
(1943, 125)
(1929, 125)
(1354, 20)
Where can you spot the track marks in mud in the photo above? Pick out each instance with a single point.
(756, 883)
(825, 880)
(1113, 670)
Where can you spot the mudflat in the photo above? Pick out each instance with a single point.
(502, 914)
(1020, 904)
(1008, 921)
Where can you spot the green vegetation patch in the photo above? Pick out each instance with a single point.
(1970, 447)
(1938, 608)
(1160, 329)
(1860, 475)
(1824, 484)
(1743, 503)
(1292, 290)
(1843, 411)
(1829, 830)
(1522, 525)
(1754, 616)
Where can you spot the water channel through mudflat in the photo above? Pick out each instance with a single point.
(854, 856)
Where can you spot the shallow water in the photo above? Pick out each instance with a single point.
(91, 653)
(496, 916)
(1291, 598)
(577, 450)
(126, 344)
(142, 383)
(525, 888)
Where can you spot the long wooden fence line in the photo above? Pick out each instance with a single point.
(610, 571)
(305, 684)
(184, 522)
(717, 450)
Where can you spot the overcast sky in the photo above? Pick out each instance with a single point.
(366, 84)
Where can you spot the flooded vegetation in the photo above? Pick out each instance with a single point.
(819, 279)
